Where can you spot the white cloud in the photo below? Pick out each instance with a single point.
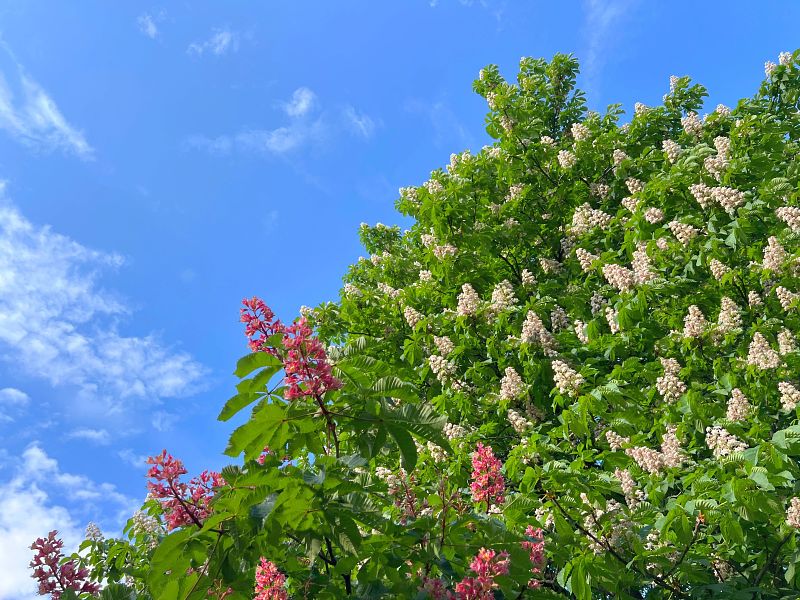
(27, 512)
(303, 100)
(138, 461)
(13, 397)
(360, 123)
(97, 436)
(601, 26)
(147, 25)
(221, 42)
(58, 324)
(30, 116)
(298, 132)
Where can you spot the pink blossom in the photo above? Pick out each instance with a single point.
(536, 549)
(183, 504)
(436, 589)
(305, 363)
(55, 578)
(269, 582)
(486, 565)
(488, 483)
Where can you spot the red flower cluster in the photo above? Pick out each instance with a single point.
(486, 565)
(488, 483)
(183, 503)
(436, 589)
(53, 578)
(304, 362)
(536, 549)
(269, 582)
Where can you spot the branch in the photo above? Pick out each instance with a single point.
(771, 559)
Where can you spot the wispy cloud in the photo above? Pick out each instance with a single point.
(96, 436)
(13, 397)
(137, 461)
(601, 26)
(147, 25)
(30, 116)
(32, 502)
(302, 101)
(59, 325)
(221, 42)
(360, 123)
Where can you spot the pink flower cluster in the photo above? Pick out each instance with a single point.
(535, 548)
(304, 362)
(486, 565)
(269, 582)
(55, 578)
(183, 503)
(488, 483)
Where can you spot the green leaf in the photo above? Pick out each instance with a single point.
(578, 583)
(405, 442)
(256, 360)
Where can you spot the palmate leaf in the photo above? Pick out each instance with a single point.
(268, 427)
(420, 419)
(256, 360)
(408, 450)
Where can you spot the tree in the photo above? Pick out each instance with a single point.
(575, 376)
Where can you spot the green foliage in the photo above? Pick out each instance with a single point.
(624, 459)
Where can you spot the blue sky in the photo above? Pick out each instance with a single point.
(162, 161)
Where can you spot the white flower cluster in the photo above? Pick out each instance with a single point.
(769, 67)
(639, 108)
(350, 290)
(433, 186)
(616, 441)
(596, 302)
(718, 269)
(793, 513)
(453, 432)
(503, 297)
(546, 140)
(653, 215)
(515, 191)
(384, 288)
(722, 110)
(685, 233)
(511, 385)
(790, 395)
(692, 124)
(786, 297)
(723, 443)
(634, 185)
(753, 299)
(672, 150)
(580, 132)
(669, 384)
(444, 251)
(93, 532)
(585, 259)
(413, 316)
(567, 380)
(620, 277)
(549, 265)
(718, 163)
(559, 319)
(601, 190)
(774, 255)
(443, 344)
(785, 58)
(728, 198)
(618, 156)
(534, 332)
(612, 317)
(642, 267)
(701, 193)
(738, 406)
(519, 423)
(630, 203)
(566, 159)
(585, 218)
(633, 495)
(443, 369)
(428, 239)
(528, 280)
(760, 355)
(468, 301)
(438, 454)
(790, 215)
(654, 461)
(694, 323)
(730, 317)
(786, 342)
(408, 193)
(581, 331)
(425, 275)
(146, 525)
(662, 243)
